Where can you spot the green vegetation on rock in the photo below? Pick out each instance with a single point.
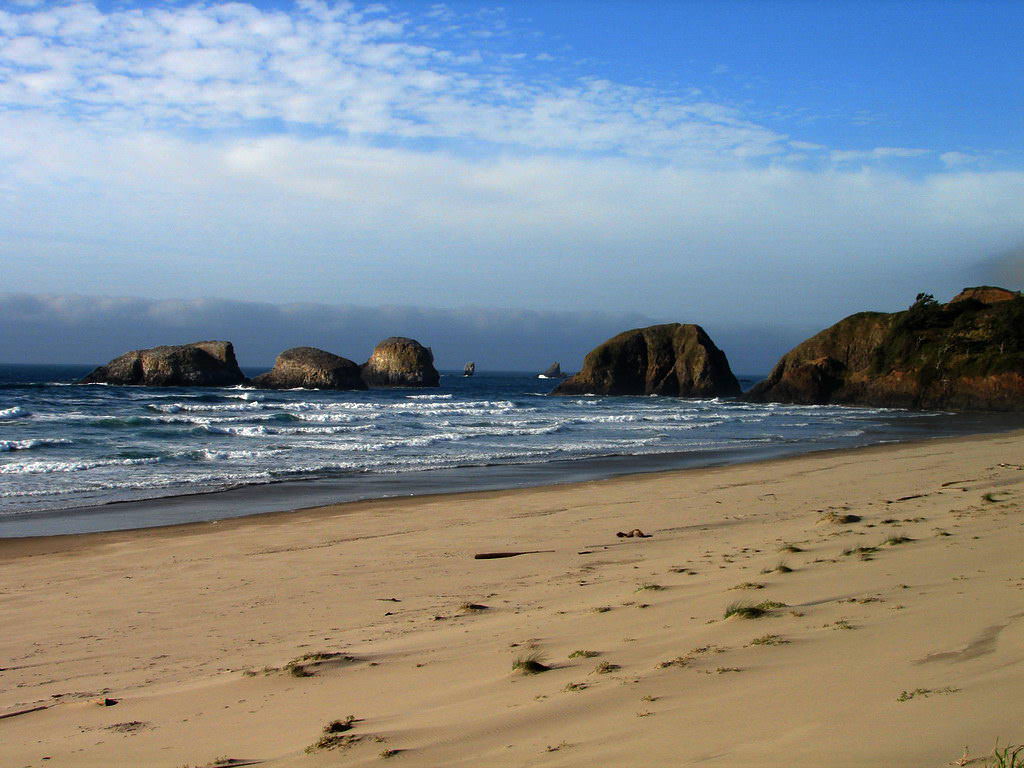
(964, 355)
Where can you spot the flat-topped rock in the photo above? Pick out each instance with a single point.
(400, 362)
(676, 359)
(964, 355)
(311, 368)
(199, 364)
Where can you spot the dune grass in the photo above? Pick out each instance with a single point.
(335, 734)
(749, 585)
(898, 539)
(649, 586)
(925, 693)
(748, 610)
(768, 640)
(530, 664)
(1010, 756)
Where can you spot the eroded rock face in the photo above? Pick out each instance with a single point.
(200, 364)
(964, 355)
(400, 362)
(675, 359)
(311, 368)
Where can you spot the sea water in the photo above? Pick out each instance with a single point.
(66, 448)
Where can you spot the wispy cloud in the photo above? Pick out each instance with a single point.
(362, 72)
(341, 71)
(877, 154)
(959, 159)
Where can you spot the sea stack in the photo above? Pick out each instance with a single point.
(964, 355)
(553, 371)
(311, 368)
(400, 362)
(678, 360)
(200, 364)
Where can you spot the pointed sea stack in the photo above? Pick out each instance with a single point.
(200, 364)
(554, 371)
(964, 355)
(677, 360)
(310, 368)
(400, 362)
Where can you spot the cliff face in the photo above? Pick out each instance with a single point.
(200, 364)
(400, 362)
(675, 359)
(964, 355)
(311, 368)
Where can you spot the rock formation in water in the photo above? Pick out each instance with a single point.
(311, 368)
(964, 355)
(400, 362)
(675, 359)
(554, 371)
(201, 364)
(469, 370)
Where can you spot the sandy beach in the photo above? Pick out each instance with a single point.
(884, 585)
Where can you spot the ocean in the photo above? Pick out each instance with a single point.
(79, 458)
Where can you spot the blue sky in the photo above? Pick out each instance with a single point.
(727, 163)
(857, 74)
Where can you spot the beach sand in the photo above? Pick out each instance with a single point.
(897, 653)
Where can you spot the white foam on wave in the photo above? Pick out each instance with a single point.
(28, 445)
(149, 481)
(611, 418)
(254, 405)
(344, 418)
(430, 397)
(261, 431)
(256, 431)
(444, 407)
(663, 417)
(17, 412)
(46, 467)
(210, 454)
(335, 430)
(392, 443)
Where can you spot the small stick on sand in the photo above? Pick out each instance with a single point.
(5, 715)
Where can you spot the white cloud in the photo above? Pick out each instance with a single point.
(333, 153)
(325, 219)
(876, 154)
(340, 71)
(958, 159)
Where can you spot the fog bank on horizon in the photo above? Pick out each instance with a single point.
(93, 330)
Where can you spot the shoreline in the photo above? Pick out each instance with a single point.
(253, 499)
(341, 508)
(898, 612)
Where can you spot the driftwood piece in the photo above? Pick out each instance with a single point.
(498, 555)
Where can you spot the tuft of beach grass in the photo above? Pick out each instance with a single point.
(530, 664)
(748, 610)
